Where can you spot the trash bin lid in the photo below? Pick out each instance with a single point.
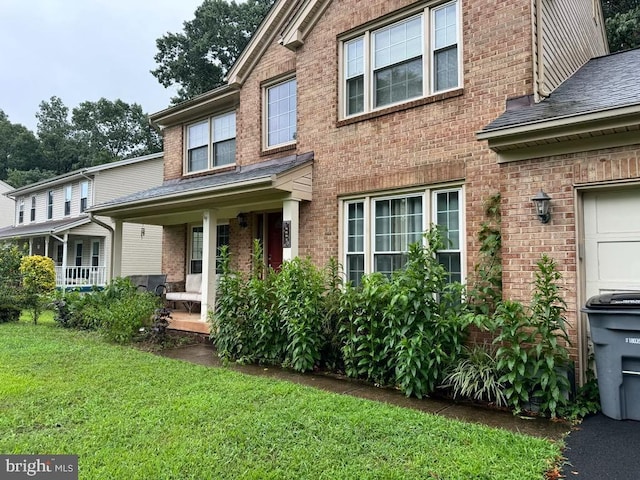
(615, 300)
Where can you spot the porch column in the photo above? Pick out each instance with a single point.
(31, 246)
(290, 228)
(209, 245)
(46, 247)
(65, 256)
(116, 251)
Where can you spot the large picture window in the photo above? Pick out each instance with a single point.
(379, 230)
(211, 143)
(281, 113)
(408, 59)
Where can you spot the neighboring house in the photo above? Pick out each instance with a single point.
(51, 217)
(7, 205)
(346, 128)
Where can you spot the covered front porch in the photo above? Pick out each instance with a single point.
(76, 246)
(258, 202)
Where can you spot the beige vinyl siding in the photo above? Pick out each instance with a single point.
(141, 254)
(7, 207)
(127, 179)
(568, 33)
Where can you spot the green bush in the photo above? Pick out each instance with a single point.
(39, 281)
(11, 291)
(118, 311)
(364, 330)
(426, 318)
(299, 288)
(533, 346)
(230, 328)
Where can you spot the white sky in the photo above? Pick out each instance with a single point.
(83, 50)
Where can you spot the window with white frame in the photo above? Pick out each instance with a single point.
(49, 204)
(33, 209)
(84, 195)
(197, 236)
(95, 253)
(379, 229)
(67, 200)
(21, 211)
(211, 143)
(414, 57)
(281, 113)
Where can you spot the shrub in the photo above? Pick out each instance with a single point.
(426, 319)
(363, 330)
(533, 345)
(11, 291)
(230, 329)
(38, 280)
(299, 294)
(118, 311)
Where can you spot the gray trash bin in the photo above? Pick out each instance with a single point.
(614, 319)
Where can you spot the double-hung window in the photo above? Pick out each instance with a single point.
(379, 230)
(211, 143)
(281, 113)
(84, 195)
(33, 209)
(197, 237)
(49, 204)
(67, 200)
(21, 211)
(408, 59)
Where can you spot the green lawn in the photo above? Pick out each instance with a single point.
(133, 415)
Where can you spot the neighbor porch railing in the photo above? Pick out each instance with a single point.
(73, 276)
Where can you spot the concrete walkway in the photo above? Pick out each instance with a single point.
(204, 354)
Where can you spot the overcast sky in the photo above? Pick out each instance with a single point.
(83, 50)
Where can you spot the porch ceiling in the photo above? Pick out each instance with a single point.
(261, 186)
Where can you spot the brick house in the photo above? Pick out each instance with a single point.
(346, 128)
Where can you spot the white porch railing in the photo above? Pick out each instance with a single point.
(74, 276)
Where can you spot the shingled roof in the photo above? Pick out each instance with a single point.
(603, 83)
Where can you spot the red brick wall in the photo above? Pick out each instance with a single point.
(174, 252)
(525, 238)
(173, 151)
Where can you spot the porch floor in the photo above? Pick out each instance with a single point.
(187, 322)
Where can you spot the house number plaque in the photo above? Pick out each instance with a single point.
(286, 234)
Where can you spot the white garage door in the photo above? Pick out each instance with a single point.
(612, 240)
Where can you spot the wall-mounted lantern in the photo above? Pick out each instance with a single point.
(542, 202)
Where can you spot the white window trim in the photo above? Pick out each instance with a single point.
(93, 243)
(426, 10)
(210, 166)
(429, 213)
(265, 112)
(190, 242)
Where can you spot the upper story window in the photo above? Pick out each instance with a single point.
(67, 200)
(281, 113)
(33, 209)
(409, 59)
(379, 230)
(21, 211)
(49, 204)
(211, 143)
(84, 195)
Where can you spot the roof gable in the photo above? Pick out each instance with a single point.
(301, 24)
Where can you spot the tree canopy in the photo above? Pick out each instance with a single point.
(198, 58)
(91, 134)
(622, 24)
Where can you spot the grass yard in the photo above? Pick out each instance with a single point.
(133, 415)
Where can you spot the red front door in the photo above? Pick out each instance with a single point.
(274, 240)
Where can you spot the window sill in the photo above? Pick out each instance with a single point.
(279, 149)
(201, 173)
(400, 107)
